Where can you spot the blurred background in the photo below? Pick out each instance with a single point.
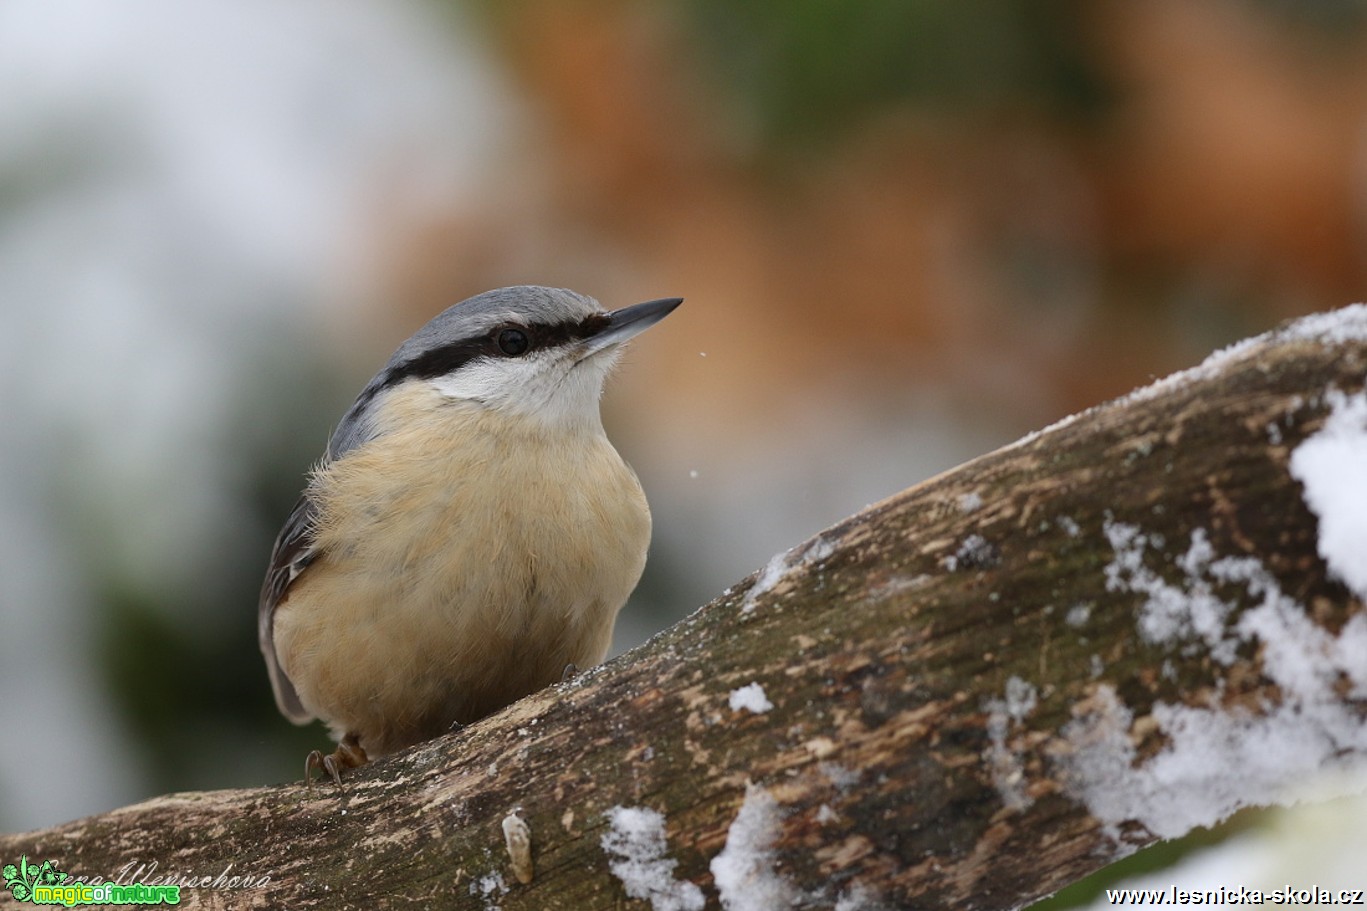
(907, 232)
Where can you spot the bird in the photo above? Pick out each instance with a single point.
(470, 533)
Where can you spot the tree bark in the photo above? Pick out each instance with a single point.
(969, 696)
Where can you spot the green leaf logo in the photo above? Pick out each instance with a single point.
(20, 880)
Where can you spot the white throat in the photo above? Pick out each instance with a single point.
(548, 387)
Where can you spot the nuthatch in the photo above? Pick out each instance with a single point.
(470, 532)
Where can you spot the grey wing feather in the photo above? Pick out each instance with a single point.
(292, 554)
(294, 550)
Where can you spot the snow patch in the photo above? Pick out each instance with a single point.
(857, 898)
(1006, 765)
(1188, 783)
(1021, 698)
(970, 502)
(838, 775)
(1337, 327)
(1331, 465)
(974, 551)
(750, 698)
(745, 871)
(490, 887)
(636, 841)
(768, 577)
(1172, 613)
(813, 551)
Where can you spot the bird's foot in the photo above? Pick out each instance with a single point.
(569, 673)
(348, 755)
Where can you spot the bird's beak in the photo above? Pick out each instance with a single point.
(631, 321)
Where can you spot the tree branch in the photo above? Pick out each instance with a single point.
(968, 695)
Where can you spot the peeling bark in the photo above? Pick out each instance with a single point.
(982, 689)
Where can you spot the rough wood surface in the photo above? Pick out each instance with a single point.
(950, 671)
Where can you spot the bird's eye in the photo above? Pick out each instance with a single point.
(513, 342)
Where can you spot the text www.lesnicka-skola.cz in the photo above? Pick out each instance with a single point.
(1240, 895)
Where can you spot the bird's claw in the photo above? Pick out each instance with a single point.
(348, 755)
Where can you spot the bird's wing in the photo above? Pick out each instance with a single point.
(295, 550)
(293, 553)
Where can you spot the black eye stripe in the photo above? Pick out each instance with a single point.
(543, 336)
(450, 357)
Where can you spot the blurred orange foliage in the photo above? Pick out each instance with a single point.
(1040, 263)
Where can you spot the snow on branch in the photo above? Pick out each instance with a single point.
(973, 693)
